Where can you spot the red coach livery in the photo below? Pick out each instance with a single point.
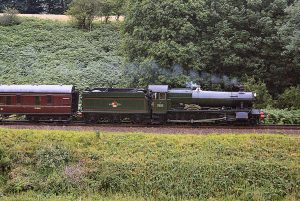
(39, 101)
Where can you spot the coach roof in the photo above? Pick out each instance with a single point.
(36, 89)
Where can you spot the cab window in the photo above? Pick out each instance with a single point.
(154, 96)
(162, 96)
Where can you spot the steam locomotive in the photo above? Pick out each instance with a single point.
(155, 104)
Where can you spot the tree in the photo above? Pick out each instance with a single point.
(241, 38)
(118, 8)
(222, 37)
(55, 6)
(290, 98)
(36, 6)
(105, 9)
(84, 12)
(167, 32)
(263, 98)
(290, 31)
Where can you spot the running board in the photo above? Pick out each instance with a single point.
(196, 121)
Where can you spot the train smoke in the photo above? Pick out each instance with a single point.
(175, 76)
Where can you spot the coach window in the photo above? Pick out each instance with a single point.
(49, 100)
(2, 100)
(8, 100)
(37, 100)
(18, 99)
(162, 96)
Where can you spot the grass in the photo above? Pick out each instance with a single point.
(139, 166)
(33, 196)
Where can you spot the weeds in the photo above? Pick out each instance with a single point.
(158, 167)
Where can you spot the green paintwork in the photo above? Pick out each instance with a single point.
(113, 95)
(160, 106)
(114, 102)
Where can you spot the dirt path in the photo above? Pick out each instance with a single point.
(62, 17)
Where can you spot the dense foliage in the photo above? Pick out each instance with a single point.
(263, 97)
(36, 6)
(108, 7)
(290, 98)
(284, 116)
(290, 31)
(46, 52)
(161, 167)
(226, 37)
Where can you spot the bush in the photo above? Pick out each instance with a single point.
(84, 12)
(161, 167)
(4, 161)
(285, 116)
(290, 98)
(9, 17)
(51, 157)
(20, 179)
(263, 98)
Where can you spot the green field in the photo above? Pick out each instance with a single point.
(115, 166)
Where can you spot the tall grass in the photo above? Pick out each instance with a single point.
(160, 167)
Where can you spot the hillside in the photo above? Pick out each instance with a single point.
(48, 52)
(149, 166)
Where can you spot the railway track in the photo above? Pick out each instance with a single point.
(126, 125)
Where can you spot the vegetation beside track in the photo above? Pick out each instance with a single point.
(137, 165)
(48, 52)
(280, 117)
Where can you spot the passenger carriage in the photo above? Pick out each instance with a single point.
(39, 102)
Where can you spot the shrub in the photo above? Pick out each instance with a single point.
(290, 98)
(9, 17)
(68, 55)
(4, 161)
(20, 179)
(284, 116)
(162, 167)
(51, 157)
(263, 97)
(84, 12)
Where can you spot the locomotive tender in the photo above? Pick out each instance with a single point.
(156, 104)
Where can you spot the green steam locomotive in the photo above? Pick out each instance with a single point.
(161, 104)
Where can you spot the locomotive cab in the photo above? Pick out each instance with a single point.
(159, 104)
